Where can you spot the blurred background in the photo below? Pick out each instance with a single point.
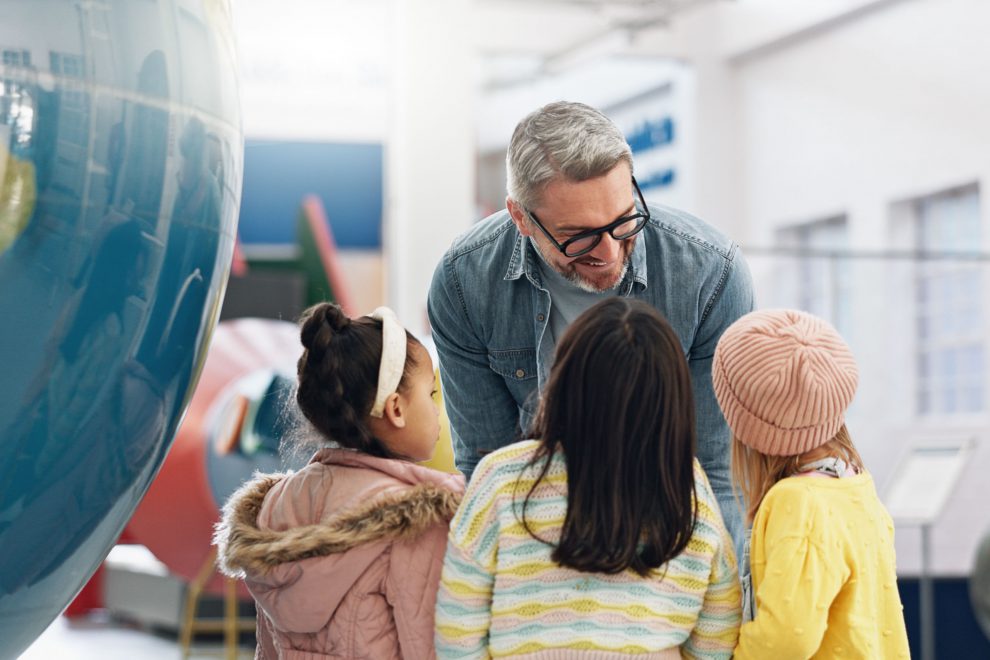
(844, 144)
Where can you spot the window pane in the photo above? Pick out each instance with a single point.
(947, 399)
(821, 285)
(949, 325)
(972, 399)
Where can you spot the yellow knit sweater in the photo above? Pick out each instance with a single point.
(822, 557)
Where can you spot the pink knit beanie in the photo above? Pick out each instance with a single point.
(784, 379)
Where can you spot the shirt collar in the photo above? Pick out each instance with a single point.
(637, 265)
(520, 260)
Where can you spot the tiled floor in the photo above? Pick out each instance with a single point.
(98, 637)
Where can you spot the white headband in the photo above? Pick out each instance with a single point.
(393, 357)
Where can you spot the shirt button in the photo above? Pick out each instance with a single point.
(520, 373)
(540, 317)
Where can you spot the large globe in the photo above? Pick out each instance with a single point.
(120, 174)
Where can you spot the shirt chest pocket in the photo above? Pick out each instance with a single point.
(517, 367)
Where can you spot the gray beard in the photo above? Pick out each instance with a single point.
(576, 279)
(580, 283)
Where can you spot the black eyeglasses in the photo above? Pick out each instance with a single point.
(625, 227)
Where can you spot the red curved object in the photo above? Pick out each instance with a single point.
(175, 520)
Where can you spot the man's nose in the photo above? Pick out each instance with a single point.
(608, 248)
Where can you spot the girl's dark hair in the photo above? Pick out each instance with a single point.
(619, 405)
(338, 375)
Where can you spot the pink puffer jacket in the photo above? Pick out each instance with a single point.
(342, 557)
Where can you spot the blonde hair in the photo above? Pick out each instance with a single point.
(754, 474)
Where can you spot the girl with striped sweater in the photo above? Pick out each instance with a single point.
(602, 538)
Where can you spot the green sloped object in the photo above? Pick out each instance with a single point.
(318, 258)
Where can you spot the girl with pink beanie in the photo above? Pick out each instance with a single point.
(822, 544)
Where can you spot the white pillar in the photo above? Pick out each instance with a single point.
(713, 185)
(717, 190)
(430, 149)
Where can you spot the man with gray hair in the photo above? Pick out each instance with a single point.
(576, 229)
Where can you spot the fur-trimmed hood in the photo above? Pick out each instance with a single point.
(246, 549)
(338, 552)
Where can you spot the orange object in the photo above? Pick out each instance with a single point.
(175, 520)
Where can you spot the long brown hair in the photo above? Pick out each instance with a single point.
(755, 474)
(619, 405)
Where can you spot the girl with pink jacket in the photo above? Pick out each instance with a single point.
(343, 557)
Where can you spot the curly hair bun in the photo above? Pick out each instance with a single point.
(319, 323)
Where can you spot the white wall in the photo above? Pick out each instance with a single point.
(314, 69)
(430, 151)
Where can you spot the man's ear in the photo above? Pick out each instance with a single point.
(519, 216)
(394, 412)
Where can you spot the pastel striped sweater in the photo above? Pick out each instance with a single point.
(501, 595)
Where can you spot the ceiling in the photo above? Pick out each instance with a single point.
(305, 60)
(520, 41)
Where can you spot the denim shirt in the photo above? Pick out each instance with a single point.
(489, 310)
